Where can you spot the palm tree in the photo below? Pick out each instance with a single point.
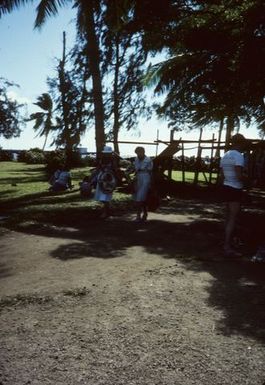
(86, 25)
(43, 119)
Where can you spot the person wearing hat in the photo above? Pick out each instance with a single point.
(232, 173)
(106, 180)
(143, 166)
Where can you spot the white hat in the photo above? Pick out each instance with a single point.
(107, 150)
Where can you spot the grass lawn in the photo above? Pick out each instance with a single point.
(189, 177)
(24, 192)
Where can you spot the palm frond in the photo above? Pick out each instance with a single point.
(44, 101)
(7, 6)
(39, 122)
(153, 75)
(46, 9)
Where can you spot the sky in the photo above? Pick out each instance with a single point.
(27, 58)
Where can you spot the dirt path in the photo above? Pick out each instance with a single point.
(115, 303)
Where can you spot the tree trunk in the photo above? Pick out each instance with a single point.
(45, 142)
(65, 107)
(217, 153)
(116, 115)
(94, 64)
(229, 130)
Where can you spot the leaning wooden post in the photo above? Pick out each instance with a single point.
(198, 160)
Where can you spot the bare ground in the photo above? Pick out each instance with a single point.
(116, 303)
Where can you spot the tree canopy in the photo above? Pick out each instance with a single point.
(214, 67)
(216, 59)
(10, 117)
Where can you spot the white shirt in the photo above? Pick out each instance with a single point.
(231, 159)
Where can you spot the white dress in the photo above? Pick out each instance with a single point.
(100, 195)
(143, 169)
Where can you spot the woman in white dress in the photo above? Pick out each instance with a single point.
(143, 166)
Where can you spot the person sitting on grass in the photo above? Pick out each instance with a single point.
(63, 180)
(55, 176)
(86, 187)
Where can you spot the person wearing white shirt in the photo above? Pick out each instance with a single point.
(232, 173)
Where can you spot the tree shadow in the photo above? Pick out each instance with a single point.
(237, 290)
(18, 180)
(194, 239)
(40, 198)
(6, 193)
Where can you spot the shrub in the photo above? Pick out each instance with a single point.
(5, 155)
(74, 159)
(89, 161)
(54, 160)
(32, 156)
(22, 156)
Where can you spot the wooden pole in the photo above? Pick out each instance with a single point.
(183, 163)
(198, 160)
(211, 162)
(157, 141)
(170, 159)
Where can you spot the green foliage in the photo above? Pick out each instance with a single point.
(43, 119)
(5, 155)
(54, 160)
(216, 60)
(123, 63)
(24, 195)
(32, 156)
(22, 156)
(71, 100)
(10, 118)
(57, 159)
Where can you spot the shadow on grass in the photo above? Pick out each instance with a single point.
(40, 198)
(29, 169)
(5, 193)
(18, 180)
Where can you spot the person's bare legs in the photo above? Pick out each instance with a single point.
(144, 211)
(106, 210)
(141, 209)
(233, 209)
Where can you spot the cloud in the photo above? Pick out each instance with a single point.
(13, 95)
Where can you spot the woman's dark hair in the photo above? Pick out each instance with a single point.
(139, 149)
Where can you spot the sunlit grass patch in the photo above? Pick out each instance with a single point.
(25, 196)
